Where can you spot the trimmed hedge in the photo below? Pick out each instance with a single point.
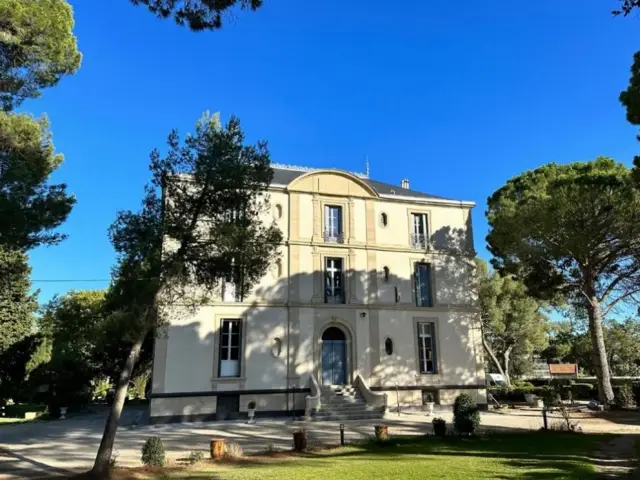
(576, 391)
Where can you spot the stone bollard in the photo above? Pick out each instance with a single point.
(216, 449)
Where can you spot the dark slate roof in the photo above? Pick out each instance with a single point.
(284, 176)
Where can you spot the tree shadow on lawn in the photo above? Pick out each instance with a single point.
(532, 456)
(551, 454)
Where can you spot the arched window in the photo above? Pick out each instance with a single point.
(278, 211)
(386, 273)
(383, 219)
(388, 346)
(276, 349)
(279, 268)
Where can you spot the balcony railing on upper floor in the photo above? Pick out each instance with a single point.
(331, 236)
(419, 240)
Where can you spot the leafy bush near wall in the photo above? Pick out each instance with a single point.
(636, 394)
(466, 417)
(624, 397)
(153, 452)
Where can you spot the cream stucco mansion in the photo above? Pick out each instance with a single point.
(373, 289)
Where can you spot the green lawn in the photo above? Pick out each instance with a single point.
(533, 456)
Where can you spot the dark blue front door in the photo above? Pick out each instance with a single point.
(334, 357)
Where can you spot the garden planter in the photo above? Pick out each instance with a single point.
(440, 429)
(63, 413)
(251, 414)
(300, 440)
(382, 432)
(216, 449)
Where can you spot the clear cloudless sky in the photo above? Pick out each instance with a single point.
(457, 96)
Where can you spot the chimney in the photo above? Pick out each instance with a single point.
(405, 184)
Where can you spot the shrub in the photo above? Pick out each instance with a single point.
(636, 393)
(195, 456)
(439, 427)
(523, 384)
(466, 417)
(137, 387)
(300, 440)
(153, 452)
(232, 450)
(583, 391)
(100, 387)
(550, 396)
(624, 396)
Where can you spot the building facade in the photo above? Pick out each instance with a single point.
(374, 282)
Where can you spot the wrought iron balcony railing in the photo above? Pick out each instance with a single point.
(419, 240)
(331, 236)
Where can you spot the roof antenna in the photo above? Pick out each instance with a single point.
(366, 168)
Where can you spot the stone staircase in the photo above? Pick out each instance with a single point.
(345, 402)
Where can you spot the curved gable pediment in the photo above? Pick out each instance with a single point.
(332, 182)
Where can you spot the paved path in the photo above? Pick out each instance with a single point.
(36, 449)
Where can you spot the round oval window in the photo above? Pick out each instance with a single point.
(388, 346)
(277, 347)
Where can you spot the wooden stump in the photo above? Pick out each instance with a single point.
(216, 449)
(300, 440)
(382, 432)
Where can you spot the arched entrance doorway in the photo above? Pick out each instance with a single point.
(334, 357)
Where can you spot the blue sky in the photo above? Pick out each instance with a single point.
(456, 96)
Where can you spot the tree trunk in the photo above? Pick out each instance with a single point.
(507, 358)
(494, 359)
(600, 361)
(103, 457)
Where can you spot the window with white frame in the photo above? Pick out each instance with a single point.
(422, 278)
(230, 345)
(427, 347)
(333, 224)
(333, 280)
(419, 230)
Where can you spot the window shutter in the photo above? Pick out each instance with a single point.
(433, 348)
(416, 275)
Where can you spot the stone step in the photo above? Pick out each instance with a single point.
(349, 411)
(365, 416)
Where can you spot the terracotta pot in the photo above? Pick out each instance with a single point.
(216, 449)
(382, 432)
(300, 440)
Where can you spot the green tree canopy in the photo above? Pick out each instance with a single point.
(201, 223)
(513, 322)
(630, 99)
(197, 14)
(626, 7)
(37, 47)
(572, 231)
(17, 304)
(30, 208)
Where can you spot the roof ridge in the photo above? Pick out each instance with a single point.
(300, 168)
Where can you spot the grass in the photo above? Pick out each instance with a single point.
(531, 455)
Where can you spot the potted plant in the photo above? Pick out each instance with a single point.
(382, 432)
(300, 440)
(439, 427)
(428, 403)
(251, 411)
